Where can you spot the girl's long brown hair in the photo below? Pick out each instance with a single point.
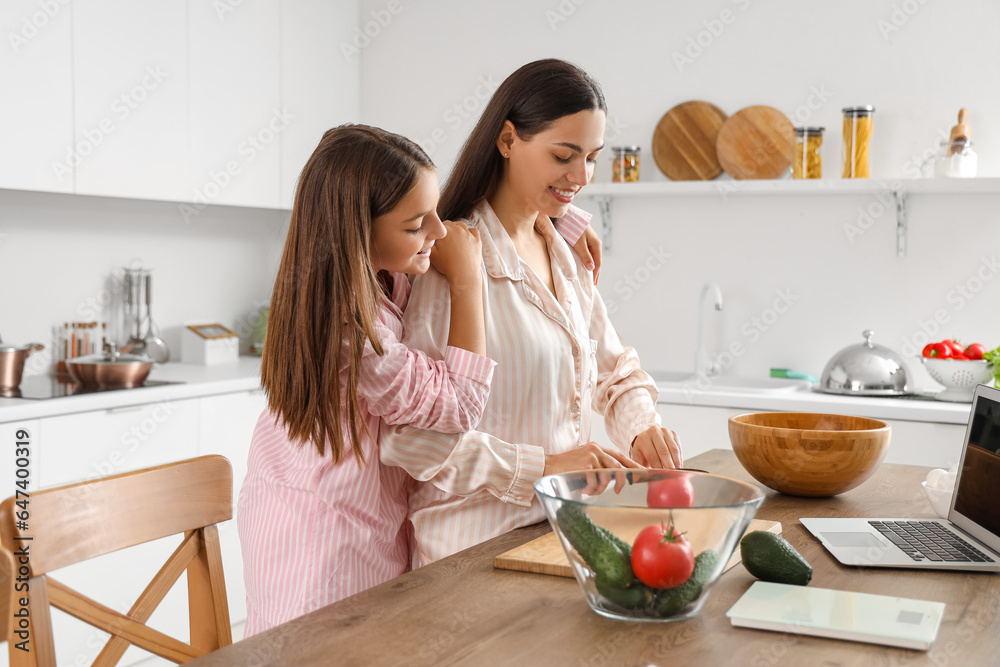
(532, 99)
(327, 290)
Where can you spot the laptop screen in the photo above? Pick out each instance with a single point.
(978, 480)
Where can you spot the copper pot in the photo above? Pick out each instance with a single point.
(12, 364)
(111, 370)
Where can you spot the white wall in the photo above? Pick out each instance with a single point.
(898, 56)
(61, 258)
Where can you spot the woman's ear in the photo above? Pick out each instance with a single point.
(505, 141)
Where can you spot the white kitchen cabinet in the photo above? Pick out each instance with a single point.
(130, 87)
(226, 426)
(36, 66)
(320, 85)
(237, 120)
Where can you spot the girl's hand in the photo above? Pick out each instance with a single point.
(658, 447)
(587, 457)
(588, 248)
(459, 255)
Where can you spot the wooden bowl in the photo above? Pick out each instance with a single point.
(808, 454)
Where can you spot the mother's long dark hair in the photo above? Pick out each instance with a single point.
(532, 98)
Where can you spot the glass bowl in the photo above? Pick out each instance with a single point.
(600, 513)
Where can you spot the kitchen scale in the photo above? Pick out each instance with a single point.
(42, 387)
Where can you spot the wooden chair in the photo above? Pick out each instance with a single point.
(81, 521)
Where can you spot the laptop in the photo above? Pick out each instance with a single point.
(969, 540)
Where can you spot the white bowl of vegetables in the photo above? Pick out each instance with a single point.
(959, 369)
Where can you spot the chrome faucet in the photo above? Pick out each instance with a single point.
(706, 365)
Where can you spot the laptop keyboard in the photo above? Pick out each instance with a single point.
(929, 540)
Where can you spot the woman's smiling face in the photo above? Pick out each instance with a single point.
(549, 169)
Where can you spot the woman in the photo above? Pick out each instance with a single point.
(531, 152)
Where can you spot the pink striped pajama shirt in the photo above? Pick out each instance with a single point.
(313, 532)
(557, 356)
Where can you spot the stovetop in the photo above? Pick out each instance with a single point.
(42, 387)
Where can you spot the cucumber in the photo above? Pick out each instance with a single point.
(770, 557)
(598, 548)
(637, 596)
(672, 600)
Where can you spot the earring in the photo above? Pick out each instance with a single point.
(505, 155)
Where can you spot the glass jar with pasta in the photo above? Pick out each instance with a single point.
(858, 122)
(808, 162)
(625, 164)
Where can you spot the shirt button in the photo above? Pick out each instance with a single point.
(576, 351)
(575, 408)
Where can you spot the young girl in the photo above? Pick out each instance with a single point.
(320, 517)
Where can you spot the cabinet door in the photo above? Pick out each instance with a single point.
(227, 423)
(131, 101)
(36, 66)
(237, 121)
(75, 447)
(925, 443)
(320, 84)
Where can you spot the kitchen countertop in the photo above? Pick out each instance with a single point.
(462, 611)
(244, 375)
(804, 399)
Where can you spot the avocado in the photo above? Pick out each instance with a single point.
(598, 548)
(770, 557)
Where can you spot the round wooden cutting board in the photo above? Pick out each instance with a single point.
(684, 142)
(756, 142)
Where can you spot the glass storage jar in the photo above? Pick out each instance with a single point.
(858, 122)
(625, 164)
(808, 162)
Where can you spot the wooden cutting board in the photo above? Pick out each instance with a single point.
(545, 555)
(684, 142)
(756, 142)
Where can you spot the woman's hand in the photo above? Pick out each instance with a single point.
(588, 248)
(657, 447)
(459, 255)
(587, 457)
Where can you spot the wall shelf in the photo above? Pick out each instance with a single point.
(899, 189)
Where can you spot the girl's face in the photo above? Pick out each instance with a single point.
(402, 238)
(549, 169)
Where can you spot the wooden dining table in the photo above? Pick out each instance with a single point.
(462, 611)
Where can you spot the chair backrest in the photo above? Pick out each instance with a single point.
(77, 522)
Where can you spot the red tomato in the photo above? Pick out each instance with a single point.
(941, 351)
(955, 347)
(960, 357)
(928, 350)
(975, 351)
(662, 557)
(671, 492)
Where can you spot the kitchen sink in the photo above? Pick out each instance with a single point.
(736, 383)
